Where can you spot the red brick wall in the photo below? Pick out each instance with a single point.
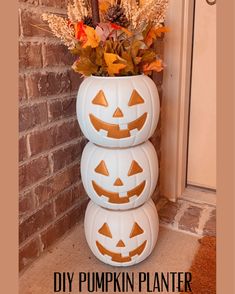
(51, 196)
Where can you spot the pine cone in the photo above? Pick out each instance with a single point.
(116, 14)
(87, 20)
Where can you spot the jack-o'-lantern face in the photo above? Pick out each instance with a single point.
(119, 178)
(118, 112)
(117, 256)
(118, 131)
(114, 197)
(121, 238)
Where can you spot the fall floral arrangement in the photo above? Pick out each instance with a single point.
(116, 40)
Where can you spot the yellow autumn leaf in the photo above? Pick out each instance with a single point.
(113, 68)
(92, 38)
(155, 65)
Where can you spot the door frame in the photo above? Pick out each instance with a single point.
(178, 50)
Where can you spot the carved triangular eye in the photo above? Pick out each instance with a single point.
(100, 99)
(134, 169)
(136, 230)
(135, 99)
(104, 230)
(102, 169)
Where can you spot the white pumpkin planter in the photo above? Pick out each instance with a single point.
(119, 168)
(121, 238)
(118, 111)
(119, 179)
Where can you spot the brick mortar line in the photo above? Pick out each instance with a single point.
(43, 179)
(45, 70)
(205, 215)
(51, 162)
(45, 251)
(49, 201)
(28, 149)
(60, 97)
(43, 204)
(53, 208)
(40, 8)
(20, 22)
(41, 41)
(47, 152)
(191, 202)
(48, 125)
(40, 126)
(198, 204)
(170, 227)
(50, 98)
(183, 208)
(53, 149)
(39, 232)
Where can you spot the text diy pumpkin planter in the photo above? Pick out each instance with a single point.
(118, 111)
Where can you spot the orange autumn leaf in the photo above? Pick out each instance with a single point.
(154, 33)
(161, 30)
(155, 65)
(150, 37)
(117, 27)
(92, 38)
(113, 68)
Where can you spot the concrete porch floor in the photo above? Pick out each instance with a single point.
(174, 252)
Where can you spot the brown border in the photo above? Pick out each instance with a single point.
(225, 147)
(9, 175)
(9, 149)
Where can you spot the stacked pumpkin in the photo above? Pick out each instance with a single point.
(118, 110)
(119, 166)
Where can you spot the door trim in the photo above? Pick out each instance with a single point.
(178, 52)
(175, 102)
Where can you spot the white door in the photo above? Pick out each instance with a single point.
(201, 164)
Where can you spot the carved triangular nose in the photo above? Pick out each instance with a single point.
(118, 113)
(120, 243)
(118, 182)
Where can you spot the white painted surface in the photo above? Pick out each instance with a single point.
(118, 92)
(118, 163)
(174, 113)
(202, 132)
(120, 225)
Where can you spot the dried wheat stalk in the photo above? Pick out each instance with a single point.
(59, 27)
(78, 10)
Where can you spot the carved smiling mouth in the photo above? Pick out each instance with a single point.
(118, 256)
(114, 197)
(116, 131)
